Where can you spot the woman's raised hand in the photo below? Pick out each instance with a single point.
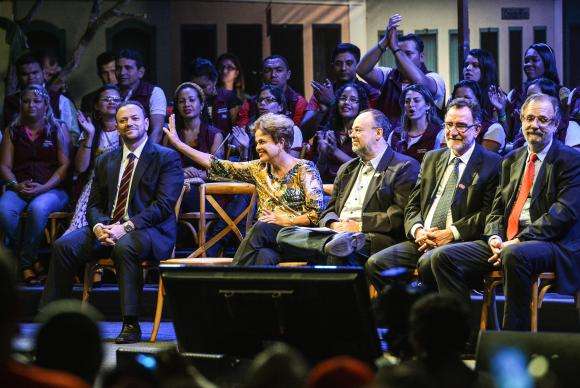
(86, 124)
(241, 136)
(171, 132)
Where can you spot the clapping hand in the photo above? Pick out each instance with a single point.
(241, 137)
(390, 38)
(324, 92)
(497, 97)
(86, 124)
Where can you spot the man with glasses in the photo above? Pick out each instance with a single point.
(276, 72)
(534, 224)
(365, 213)
(449, 203)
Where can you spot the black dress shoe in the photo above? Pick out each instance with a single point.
(130, 334)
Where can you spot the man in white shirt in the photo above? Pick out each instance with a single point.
(450, 200)
(130, 71)
(365, 213)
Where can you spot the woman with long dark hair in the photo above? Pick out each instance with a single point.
(420, 126)
(332, 146)
(34, 162)
(230, 91)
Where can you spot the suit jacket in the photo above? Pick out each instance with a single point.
(554, 207)
(473, 196)
(386, 197)
(155, 188)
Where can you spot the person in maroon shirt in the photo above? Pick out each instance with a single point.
(189, 101)
(276, 72)
(420, 125)
(34, 162)
(230, 91)
(344, 60)
(332, 146)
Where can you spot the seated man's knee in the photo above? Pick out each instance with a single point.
(284, 234)
(123, 250)
(510, 257)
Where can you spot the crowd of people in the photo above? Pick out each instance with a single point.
(456, 188)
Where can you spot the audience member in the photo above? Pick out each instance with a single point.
(492, 135)
(365, 213)
(340, 372)
(270, 100)
(279, 366)
(69, 340)
(131, 216)
(344, 60)
(409, 57)
(29, 72)
(189, 101)
(275, 72)
(34, 163)
(539, 61)
(14, 374)
(130, 69)
(106, 70)
(230, 92)
(332, 146)
(438, 356)
(450, 200)
(420, 127)
(51, 69)
(289, 189)
(98, 137)
(533, 226)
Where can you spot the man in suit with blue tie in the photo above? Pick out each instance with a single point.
(453, 194)
(534, 224)
(130, 213)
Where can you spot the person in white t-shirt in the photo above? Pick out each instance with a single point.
(409, 57)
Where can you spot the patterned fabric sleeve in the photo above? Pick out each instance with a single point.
(233, 171)
(313, 197)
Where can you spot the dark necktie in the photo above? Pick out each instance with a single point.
(525, 188)
(123, 192)
(440, 216)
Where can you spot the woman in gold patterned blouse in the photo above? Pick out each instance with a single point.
(289, 189)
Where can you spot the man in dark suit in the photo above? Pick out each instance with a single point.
(452, 196)
(365, 213)
(534, 224)
(131, 216)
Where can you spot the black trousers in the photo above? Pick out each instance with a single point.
(457, 266)
(75, 249)
(259, 246)
(298, 243)
(404, 254)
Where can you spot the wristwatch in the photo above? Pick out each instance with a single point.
(128, 226)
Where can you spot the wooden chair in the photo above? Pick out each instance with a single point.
(207, 192)
(540, 285)
(92, 267)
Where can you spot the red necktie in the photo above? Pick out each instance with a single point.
(525, 188)
(123, 193)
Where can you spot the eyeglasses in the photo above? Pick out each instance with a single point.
(267, 100)
(352, 100)
(111, 99)
(543, 120)
(460, 127)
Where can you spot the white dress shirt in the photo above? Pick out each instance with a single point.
(352, 209)
(464, 159)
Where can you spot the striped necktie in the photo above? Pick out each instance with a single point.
(123, 192)
(444, 204)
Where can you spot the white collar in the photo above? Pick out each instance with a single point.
(465, 157)
(138, 150)
(542, 154)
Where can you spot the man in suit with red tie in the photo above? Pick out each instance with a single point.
(534, 223)
(453, 194)
(130, 213)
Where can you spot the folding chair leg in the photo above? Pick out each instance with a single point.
(534, 306)
(88, 282)
(158, 311)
